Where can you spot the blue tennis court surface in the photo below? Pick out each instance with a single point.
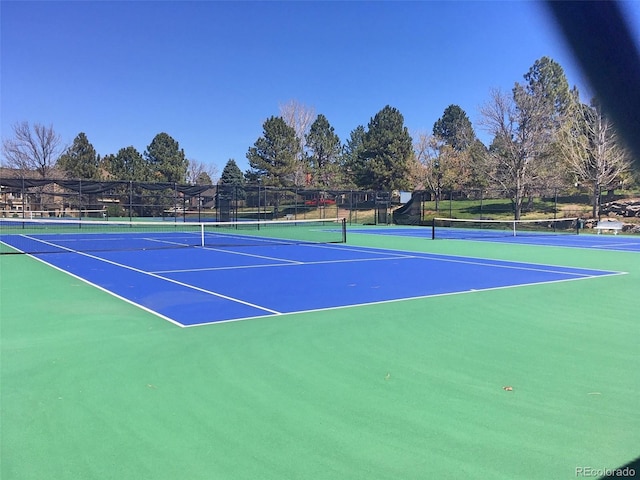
(204, 285)
(625, 243)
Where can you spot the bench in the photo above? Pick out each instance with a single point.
(609, 225)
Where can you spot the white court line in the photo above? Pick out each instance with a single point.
(318, 262)
(370, 250)
(460, 258)
(137, 270)
(157, 240)
(125, 299)
(395, 300)
(263, 257)
(507, 264)
(614, 245)
(517, 267)
(286, 261)
(469, 260)
(384, 251)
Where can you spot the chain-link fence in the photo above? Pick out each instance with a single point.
(21, 197)
(174, 202)
(495, 205)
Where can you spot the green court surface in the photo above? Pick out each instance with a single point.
(95, 388)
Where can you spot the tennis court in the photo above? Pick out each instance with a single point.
(382, 357)
(541, 232)
(239, 274)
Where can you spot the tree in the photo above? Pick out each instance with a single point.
(547, 97)
(166, 159)
(547, 81)
(298, 117)
(231, 174)
(454, 129)
(387, 152)
(351, 161)
(525, 126)
(200, 173)
(232, 181)
(456, 147)
(511, 154)
(324, 148)
(272, 159)
(80, 159)
(128, 164)
(425, 171)
(590, 145)
(32, 149)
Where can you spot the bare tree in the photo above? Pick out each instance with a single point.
(299, 117)
(426, 169)
(438, 166)
(589, 144)
(420, 170)
(198, 171)
(519, 157)
(32, 149)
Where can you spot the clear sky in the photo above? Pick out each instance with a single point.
(210, 73)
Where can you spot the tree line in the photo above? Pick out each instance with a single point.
(543, 138)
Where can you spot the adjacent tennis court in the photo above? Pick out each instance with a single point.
(385, 356)
(550, 232)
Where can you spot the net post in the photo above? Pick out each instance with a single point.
(202, 234)
(433, 228)
(344, 230)
(514, 228)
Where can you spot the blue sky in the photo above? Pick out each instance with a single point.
(210, 73)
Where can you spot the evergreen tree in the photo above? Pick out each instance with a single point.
(128, 164)
(232, 180)
(80, 159)
(454, 128)
(272, 159)
(456, 146)
(387, 152)
(231, 174)
(351, 161)
(324, 151)
(547, 83)
(166, 159)
(203, 178)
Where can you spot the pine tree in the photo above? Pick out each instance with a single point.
(80, 159)
(272, 159)
(324, 150)
(387, 152)
(166, 159)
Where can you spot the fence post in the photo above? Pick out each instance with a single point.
(175, 203)
(24, 199)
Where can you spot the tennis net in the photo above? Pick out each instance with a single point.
(58, 213)
(457, 228)
(35, 236)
